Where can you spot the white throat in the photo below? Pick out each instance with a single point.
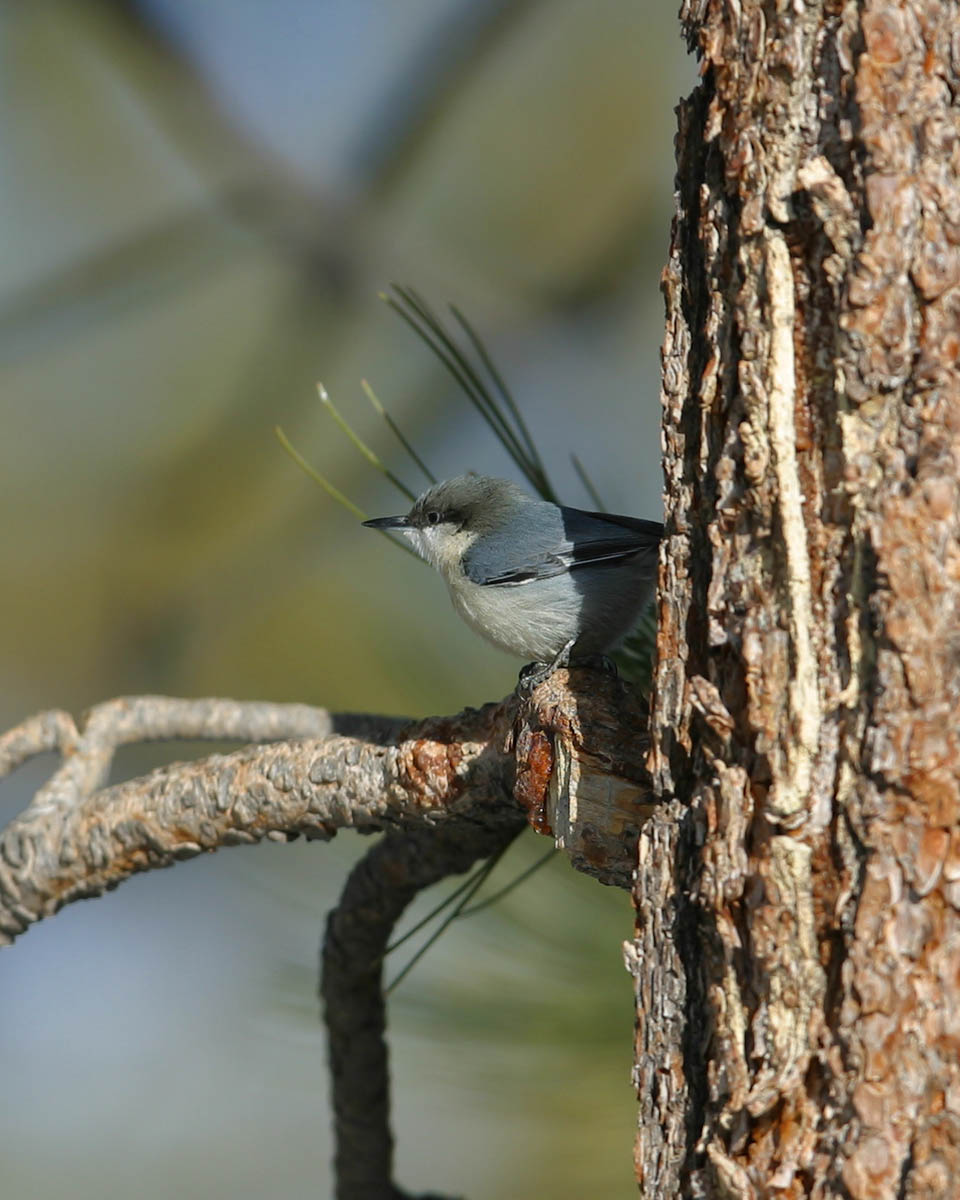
(442, 546)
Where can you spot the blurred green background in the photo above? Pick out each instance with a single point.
(198, 205)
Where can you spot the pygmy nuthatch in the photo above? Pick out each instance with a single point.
(533, 578)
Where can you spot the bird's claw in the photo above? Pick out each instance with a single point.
(531, 676)
(535, 673)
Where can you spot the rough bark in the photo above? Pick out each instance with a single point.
(807, 694)
(75, 841)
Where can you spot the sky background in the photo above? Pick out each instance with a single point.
(199, 204)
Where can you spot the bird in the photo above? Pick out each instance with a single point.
(542, 581)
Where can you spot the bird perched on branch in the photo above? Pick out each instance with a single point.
(536, 579)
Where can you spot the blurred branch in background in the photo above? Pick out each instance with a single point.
(249, 191)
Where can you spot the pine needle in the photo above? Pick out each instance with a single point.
(396, 431)
(428, 327)
(457, 892)
(508, 888)
(483, 354)
(478, 389)
(328, 487)
(464, 893)
(334, 492)
(475, 885)
(370, 455)
(588, 483)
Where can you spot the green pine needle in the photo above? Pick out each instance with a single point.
(499, 411)
(588, 483)
(328, 487)
(500, 385)
(371, 456)
(334, 492)
(463, 893)
(379, 409)
(476, 883)
(508, 888)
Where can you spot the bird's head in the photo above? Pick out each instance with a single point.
(450, 516)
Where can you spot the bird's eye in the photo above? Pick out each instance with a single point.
(433, 517)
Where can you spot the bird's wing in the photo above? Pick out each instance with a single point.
(556, 540)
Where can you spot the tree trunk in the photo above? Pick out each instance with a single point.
(798, 949)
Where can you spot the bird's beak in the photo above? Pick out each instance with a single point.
(388, 523)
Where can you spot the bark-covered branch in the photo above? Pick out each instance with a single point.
(346, 771)
(78, 842)
(87, 749)
(379, 888)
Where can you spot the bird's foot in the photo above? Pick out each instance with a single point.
(531, 676)
(535, 673)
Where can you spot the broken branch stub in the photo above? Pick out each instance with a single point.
(581, 776)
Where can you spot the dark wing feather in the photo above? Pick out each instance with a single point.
(651, 531)
(555, 540)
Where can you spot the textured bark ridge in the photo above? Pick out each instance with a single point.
(807, 693)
